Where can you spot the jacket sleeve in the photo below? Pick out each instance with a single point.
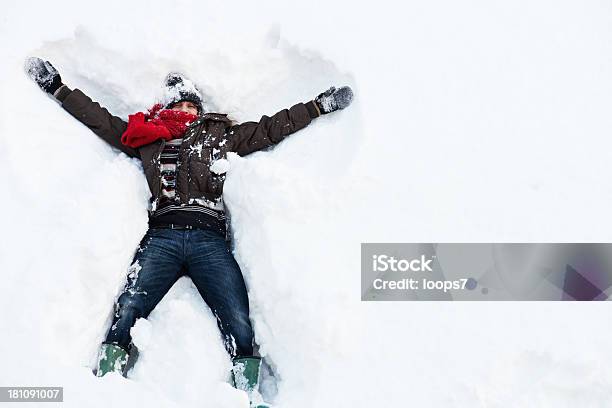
(250, 137)
(98, 119)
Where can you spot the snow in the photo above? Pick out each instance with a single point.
(141, 333)
(220, 166)
(472, 122)
(197, 148)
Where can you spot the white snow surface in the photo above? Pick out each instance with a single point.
(479, 121)
(220, 166)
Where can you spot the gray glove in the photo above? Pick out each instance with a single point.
(44, 74)
(334, 99)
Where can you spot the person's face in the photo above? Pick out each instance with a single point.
(185, 106)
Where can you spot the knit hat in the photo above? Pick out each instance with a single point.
(178, 89)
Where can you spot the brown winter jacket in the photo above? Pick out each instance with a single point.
(206, 140)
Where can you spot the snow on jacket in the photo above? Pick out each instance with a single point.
(206, 140)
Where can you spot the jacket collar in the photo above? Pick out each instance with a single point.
(219, 117)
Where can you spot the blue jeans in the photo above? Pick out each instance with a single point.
(163, 256)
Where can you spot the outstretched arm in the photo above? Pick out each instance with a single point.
(250, 137)
(90, 113)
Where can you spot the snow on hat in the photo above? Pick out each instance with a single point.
(178, 89)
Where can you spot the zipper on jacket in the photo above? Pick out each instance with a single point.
(194, 132)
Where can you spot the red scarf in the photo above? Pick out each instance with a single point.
(158, 123)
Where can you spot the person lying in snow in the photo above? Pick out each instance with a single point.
(183, 150)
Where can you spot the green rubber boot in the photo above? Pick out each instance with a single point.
(246, 377)
(112, 358)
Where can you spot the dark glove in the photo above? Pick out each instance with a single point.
(44, 74)
(334, 99)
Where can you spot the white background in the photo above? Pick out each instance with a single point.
(475, 121)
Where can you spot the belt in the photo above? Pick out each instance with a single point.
(173, 226)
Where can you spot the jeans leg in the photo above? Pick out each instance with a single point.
(214, 271)
(155, 268)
